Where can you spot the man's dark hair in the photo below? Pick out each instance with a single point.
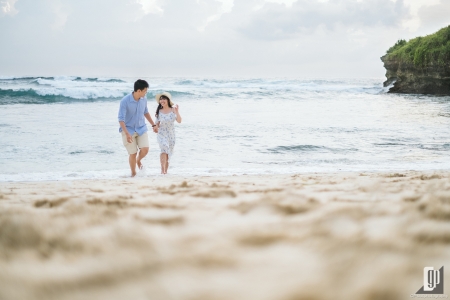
(140, 85)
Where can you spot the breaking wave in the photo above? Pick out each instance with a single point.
(41, 90)
(31, 96)
(60, 78)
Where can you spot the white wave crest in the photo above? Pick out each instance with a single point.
(85, 93)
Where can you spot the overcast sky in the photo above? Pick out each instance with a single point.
(202, 38)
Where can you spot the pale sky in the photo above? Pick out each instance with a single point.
(209, 38)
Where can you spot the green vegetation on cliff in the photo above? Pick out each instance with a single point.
(431, 50)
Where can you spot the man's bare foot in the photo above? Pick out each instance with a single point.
(133, 174)
(139, 164)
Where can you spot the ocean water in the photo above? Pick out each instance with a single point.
(65, 128)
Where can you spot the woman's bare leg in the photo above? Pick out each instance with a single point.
(163, 163)
(167, 163)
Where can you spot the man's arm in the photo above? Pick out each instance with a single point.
(121, 117)
(124, 130)
(149, 119)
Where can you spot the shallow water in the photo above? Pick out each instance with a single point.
(66, 127)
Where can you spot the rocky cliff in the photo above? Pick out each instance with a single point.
(420, 66)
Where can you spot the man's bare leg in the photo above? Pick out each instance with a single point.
(142, 153)
(132, 161)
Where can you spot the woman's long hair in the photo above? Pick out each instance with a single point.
(160, 106)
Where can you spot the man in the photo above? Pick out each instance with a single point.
(133, 109)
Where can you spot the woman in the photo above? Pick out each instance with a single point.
(166, 114)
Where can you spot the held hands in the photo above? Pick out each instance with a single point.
(155, 129)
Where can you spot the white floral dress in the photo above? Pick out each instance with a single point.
(166, 132)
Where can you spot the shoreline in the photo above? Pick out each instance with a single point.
(358, 235)
(215, 173)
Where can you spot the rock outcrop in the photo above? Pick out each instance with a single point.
(409, 79)
(420, 66)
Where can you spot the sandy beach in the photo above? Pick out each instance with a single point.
(304, 236)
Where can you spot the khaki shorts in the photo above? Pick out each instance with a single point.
(137, 141)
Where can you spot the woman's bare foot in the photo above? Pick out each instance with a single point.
(133, 174)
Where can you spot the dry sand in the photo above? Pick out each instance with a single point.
(306, 236)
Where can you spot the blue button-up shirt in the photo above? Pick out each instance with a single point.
(132, 113)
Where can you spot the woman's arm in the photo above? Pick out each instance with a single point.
(175, 110)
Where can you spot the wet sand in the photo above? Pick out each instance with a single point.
(305, 236)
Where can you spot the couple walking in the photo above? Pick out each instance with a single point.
(132, 114)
